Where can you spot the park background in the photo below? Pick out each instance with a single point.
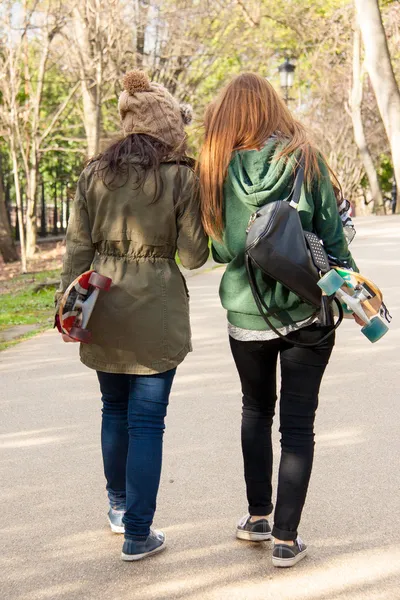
(61, 65)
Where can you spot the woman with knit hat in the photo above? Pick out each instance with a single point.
(136, 206)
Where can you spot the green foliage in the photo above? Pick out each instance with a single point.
(385, 173)
(195, 48)
(61, 167)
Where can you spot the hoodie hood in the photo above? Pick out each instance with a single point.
(256, 177)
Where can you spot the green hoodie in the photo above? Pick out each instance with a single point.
(255, 179)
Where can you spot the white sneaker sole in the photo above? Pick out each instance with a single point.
(132, 557)
(253, 536)
(289, 562)
(116, 528)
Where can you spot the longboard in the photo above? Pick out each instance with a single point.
(361, 296)
(78, 302)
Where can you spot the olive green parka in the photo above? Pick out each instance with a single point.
(141, 326)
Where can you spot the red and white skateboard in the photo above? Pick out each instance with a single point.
(77, 304)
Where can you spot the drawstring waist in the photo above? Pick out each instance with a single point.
(135, 257)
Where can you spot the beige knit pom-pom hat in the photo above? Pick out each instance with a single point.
(148, 108)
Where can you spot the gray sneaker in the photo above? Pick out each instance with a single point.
(115, 520)
(284, 555)
(259, 531)
(136, 550)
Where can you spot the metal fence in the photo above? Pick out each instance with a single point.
(52, 214)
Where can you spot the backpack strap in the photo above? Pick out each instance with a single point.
(295, 194)
(265, 311)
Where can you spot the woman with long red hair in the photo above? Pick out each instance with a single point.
(251, 151)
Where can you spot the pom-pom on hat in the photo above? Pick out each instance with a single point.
(136, 81)
(148, 108)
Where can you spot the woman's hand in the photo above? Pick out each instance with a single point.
(359, 321)
(67, 339)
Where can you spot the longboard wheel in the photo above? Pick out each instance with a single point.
(80, 335)
(331, 282)
(375, 330)
(100, 281)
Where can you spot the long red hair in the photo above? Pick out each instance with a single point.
(244, 115)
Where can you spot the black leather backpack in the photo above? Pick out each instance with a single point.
(277, 245)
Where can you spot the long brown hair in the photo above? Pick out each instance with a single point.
(244, 115)
(114, 166)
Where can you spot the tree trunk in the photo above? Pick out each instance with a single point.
(380, 70)
(33, 162)
(19, 205)
(90, 118)
(8, 202)
(359, 134)
(31, 212)
(7, 247)
(91, 77)
(141, 11)
(55, 212)
(43, 223)
(68, 204)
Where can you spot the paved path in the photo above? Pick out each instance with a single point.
(16, 331)
(55, 543)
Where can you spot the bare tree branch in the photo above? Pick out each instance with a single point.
(58, 113)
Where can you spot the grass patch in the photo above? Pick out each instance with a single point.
(26, 307)
(22, 282)
(21, 304)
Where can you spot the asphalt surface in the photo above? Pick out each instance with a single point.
(54, 538)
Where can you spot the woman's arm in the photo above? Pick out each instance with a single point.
(79, 247)
(192, 242)
(327, 222)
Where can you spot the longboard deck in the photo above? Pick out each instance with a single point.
(78, 302)
(79, 290)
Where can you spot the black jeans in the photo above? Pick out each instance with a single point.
(301, 372)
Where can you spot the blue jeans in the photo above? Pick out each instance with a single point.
(134, 409)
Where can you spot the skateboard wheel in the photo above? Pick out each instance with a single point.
(100, 281)
(375, 330)
(80, 335)
(331, 282)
